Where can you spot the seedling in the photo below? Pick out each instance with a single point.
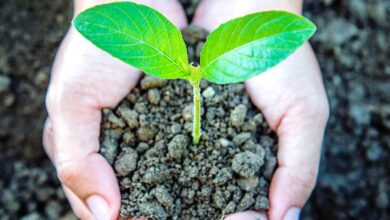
(236, 51)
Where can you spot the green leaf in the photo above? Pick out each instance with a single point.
(249, 45)
(137, 35)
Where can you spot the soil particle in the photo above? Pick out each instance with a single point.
(237, 116)
(270, 166)
(156, 174)
(240, 139)
(187, 112)
(383, 199)
(5, 82)
(154, 96)
(345, 29)
(154, 210)
(198, 49)
(262, 203)
(208, 93)
(219, 199)
(192, 35)
(145, 133)
(130, 116)
(113, 119)
(248, 184)
(177, 146)
(176, 128)
(223, 176)
(149, 82)
(385, 116)
(126, 162)
(142, 147)
(246, 202)
(128, 138)
(111, 144)
(8, 100)
(163, 196)
(247, 164)
(224, 142)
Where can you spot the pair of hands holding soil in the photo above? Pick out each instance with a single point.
(85, 79)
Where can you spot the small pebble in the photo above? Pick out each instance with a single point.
(238, 115)
(126, 162)
(154, 96)
(209, 92)
(187, 112)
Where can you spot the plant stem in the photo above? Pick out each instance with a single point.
(196, 132)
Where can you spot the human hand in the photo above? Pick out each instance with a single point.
(293, 100)
(84, 80)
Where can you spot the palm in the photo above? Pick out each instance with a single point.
(285, 92)
(294, 102)
(93, 74)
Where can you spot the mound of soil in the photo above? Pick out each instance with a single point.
(162, 175)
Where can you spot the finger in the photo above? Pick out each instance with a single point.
(171, 10)
(73, 134)
(78, 206)
(299, 118)
(80, 168)
(300, 138)
(249, 215)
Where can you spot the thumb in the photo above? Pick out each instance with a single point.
(87, 177)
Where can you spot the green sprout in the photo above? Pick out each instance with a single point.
(236, 51)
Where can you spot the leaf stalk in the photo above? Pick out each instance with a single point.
(196, 132)
(195, 77)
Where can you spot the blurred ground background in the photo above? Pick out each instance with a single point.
(353, 48)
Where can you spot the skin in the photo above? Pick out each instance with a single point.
(85, 80)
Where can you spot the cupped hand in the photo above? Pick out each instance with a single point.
(84, 80)
(293, 100)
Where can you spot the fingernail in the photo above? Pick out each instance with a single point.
(99, 207)
(249, 215)
(292, 214)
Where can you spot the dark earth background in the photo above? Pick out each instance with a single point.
(352, 46)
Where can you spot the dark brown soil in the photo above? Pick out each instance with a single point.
(163, 175)
(352, 46)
